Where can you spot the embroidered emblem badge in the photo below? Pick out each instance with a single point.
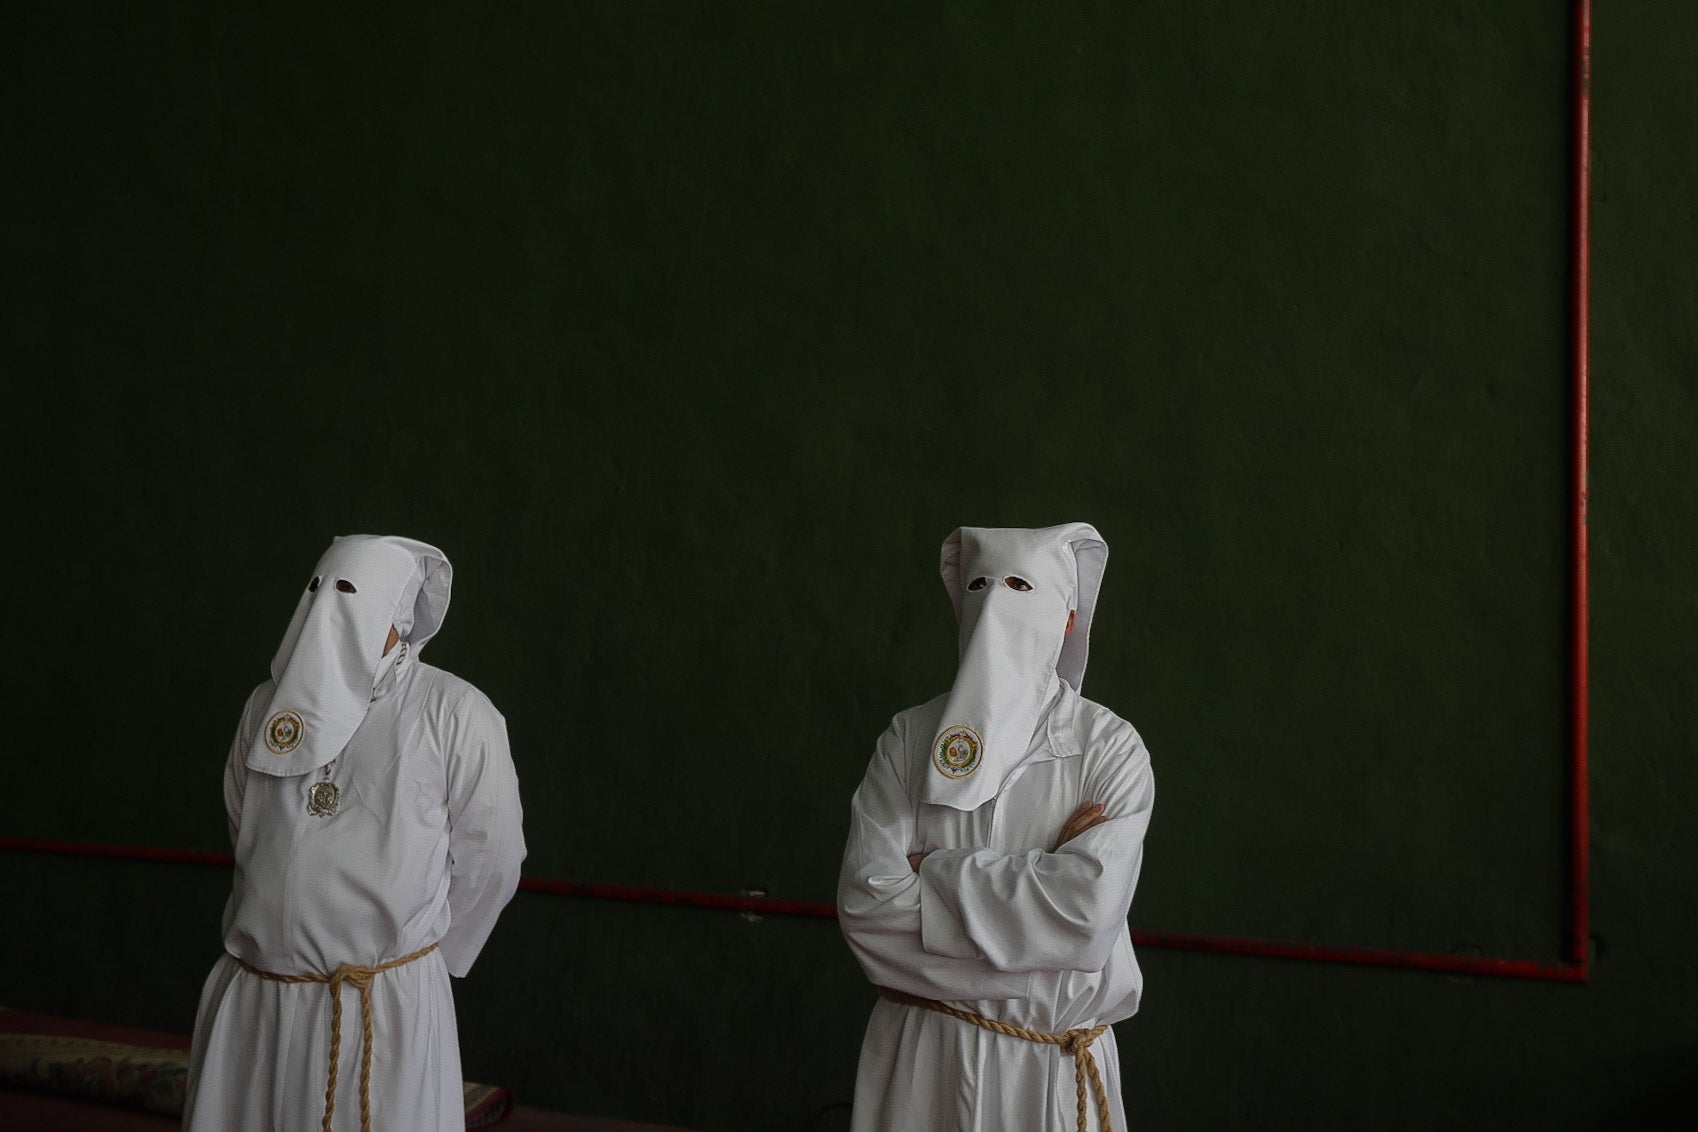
(322, 799)
(284, 731)
(958, 752)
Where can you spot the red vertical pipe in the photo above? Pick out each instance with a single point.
(1580, 314)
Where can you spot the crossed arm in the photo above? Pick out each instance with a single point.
(486, 841)
(1088, 814)
(973, 923)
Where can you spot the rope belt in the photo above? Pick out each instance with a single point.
(359, 977)
(1074, 1043)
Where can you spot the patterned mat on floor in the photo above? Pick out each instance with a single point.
(137, 1068)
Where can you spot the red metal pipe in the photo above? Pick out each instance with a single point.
(117, 852)
(1580, 314)
(775, 906)
(1365, 956)
(760, 905)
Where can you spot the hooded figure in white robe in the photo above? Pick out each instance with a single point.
(993, 849)
(374, 811)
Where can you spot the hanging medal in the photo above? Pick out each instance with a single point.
(322, 796)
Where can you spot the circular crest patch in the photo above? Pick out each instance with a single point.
(284, 731)
(958, 752)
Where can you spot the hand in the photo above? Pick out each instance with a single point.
(915, 859)
(1088, 814)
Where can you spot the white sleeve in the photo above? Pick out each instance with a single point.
(1039, 910)
(485, 840)
(880, 900)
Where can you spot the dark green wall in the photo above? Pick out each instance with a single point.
(690, 329)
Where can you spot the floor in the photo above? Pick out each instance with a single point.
(48, 1112)
(44, 1112)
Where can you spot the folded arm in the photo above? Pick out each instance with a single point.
(879, 897)
(486, 842)
(1042, 910)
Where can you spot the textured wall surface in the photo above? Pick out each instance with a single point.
(689, 330)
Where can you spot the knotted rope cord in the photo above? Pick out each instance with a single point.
(360, 978)
(1074, 1043)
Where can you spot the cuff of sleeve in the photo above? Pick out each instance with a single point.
(941, 930)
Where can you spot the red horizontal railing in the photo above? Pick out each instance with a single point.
(776, 906)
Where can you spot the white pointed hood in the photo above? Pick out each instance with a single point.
(331, 660)
(1013, 589)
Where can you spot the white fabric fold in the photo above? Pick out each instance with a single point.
(1013, 589)
(423, 847)
(332, 657)
(996, 922)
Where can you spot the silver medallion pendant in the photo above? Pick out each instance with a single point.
(322, 799)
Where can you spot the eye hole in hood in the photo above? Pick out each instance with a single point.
(345, 586)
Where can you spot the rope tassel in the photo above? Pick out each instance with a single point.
(360, 979)
(1073, 1043)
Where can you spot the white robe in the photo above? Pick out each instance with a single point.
(996, 924)
(424, 848)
